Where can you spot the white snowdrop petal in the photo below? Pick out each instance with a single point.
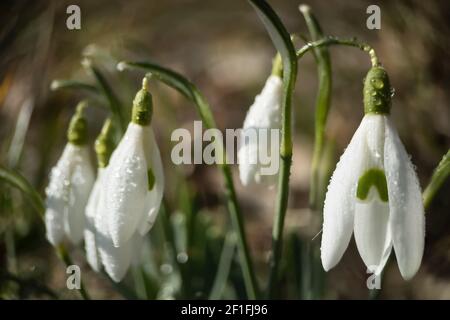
(90, 232)
(154, 198)
(248, 167)
(116, 260)
(54, 222)
(406, 207)
(371, 229)
(263, 114)
(81, 182)
(339, 203)
(386, 252)
(127, 186)
(90, 245)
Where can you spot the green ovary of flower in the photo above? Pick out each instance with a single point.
(372, 177)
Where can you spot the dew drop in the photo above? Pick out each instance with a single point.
(377, 83)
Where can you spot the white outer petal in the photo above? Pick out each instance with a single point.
(154, 197)
(127, 186)
(406, 207)
(264, 113)
(90, 232)
(81, 182)
(340, 200)
(57, 194)
(116, 260)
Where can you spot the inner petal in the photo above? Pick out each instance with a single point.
(371, 228)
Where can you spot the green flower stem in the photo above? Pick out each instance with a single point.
(323, 101)
(190, 91)
(283, 43)
(17, 180)
(328, 41)
(441, 173)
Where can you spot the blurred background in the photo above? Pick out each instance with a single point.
(223, 48)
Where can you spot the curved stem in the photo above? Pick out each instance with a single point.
(328, 41)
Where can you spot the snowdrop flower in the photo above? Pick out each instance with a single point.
(135, 181)
(263, 114)
(104, 146)
(100, 250)
(375, 192)
(70, 183)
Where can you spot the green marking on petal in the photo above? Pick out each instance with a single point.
(372, 177)
(151, 179)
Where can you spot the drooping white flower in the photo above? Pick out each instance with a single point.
(135, 181)
(374, 191)
(264, 114)
(70, 183)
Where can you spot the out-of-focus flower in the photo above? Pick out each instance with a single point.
(375, 192)
(70, 183)
(263, 115)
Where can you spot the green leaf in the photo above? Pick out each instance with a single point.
(282, 41)
(17, 180)
(440, 174)
(177, 82)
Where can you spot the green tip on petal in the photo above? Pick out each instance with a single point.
(142, 106)
(104, 144)
(277, 66)
(372, 177)
(151, 179)
(77, 133)
(377, 91)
